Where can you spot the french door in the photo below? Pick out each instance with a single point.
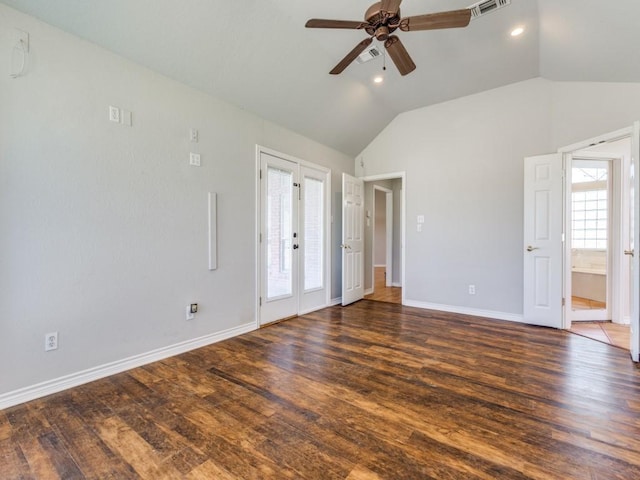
(293, 237)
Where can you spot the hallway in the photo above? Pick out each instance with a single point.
(382, 293)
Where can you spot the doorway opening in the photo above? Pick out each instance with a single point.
(383, 240)
(547, 265)
(590, 237)
(597, 286)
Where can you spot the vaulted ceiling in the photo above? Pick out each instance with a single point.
(258, 55)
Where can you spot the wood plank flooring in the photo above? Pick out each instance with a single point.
(579, 303)
(370, 391)
(381, 292)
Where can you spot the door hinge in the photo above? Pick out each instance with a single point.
(260, 301)
(260, 237)
(260, 173)
(563, 302)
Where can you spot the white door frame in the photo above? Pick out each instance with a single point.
(388, 233)
(617, 307)
(403, 194)
(632, 132)
(257, 222)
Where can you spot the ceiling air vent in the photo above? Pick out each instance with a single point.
(369, 54)
(487, 6)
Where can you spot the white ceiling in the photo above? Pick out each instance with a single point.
(257, 54)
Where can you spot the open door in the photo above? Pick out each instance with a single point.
(634, 235)
(352, 239)
(543, 207)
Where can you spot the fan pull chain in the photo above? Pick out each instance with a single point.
(384, 60)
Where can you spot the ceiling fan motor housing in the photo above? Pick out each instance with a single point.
(380, 24)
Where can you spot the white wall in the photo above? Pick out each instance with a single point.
(103, 227)
(464, 165)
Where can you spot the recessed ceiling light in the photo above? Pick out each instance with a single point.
(517, 31)
(378, 79)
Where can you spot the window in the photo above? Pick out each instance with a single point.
(589, 208)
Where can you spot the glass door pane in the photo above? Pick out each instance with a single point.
(279, 233)
(313, 190)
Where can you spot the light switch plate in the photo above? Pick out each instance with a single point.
(194, 159)
(114, 114)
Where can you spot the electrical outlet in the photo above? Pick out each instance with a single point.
(472, 289)
(193, 135)
(51, 341)
(190, 313)
(114, 114)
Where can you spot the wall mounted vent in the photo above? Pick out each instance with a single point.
(369, 54)
(487, 6)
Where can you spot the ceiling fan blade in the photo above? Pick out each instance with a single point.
(399, 55)
(351, 56)
(321, 23)
(433, 21)
(390, 6)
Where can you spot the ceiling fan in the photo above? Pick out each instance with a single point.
(381, 20)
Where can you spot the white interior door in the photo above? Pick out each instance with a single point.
(279, 238)
(352, 239)
(634, 234)
(543, 213)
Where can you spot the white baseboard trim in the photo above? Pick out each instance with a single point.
(511, 317)
(381, 265)
(369, 291)
(396, 284)
(312, 309)
(335, 301)
(85, 376)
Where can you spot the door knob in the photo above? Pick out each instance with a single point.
(629, 252)
(531, 249)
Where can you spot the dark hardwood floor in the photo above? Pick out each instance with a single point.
(373, 390)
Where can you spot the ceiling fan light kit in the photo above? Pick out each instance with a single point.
(382, 19)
